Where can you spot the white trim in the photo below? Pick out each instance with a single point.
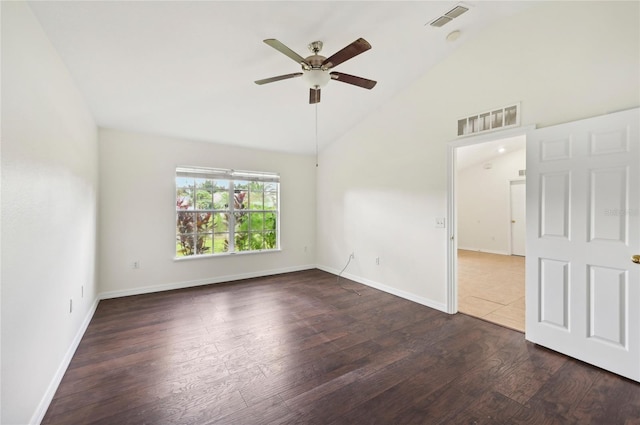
(388, 289)
(46, 399)
(226, 254)
(468, 248)
(200, 282)
(452, 242)
(510, 212)
(486, 251)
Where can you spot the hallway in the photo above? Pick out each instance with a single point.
(491, 287)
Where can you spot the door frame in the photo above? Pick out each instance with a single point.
(511, 183)
(452, 242)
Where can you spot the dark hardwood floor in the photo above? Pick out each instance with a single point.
(299, 349)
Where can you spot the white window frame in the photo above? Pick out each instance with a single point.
(232, 176)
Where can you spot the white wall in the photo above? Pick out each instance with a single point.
(137, 213)
(49, 196)
(381, 186)
(483, 203)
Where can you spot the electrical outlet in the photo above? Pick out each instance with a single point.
(136, 264)
(440, 222)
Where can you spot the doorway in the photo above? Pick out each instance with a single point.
(488, 198)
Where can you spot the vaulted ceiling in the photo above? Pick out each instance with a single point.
(187, 69)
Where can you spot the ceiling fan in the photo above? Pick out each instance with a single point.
(316, 69)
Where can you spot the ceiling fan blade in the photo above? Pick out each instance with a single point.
(314, 96)
(352, 79)
(354, 49)
(278, 78)
(287, 51)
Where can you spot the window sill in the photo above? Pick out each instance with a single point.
(225, 255)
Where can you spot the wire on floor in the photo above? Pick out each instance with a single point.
(340, 274)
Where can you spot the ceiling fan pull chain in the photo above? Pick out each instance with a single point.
(316, 135)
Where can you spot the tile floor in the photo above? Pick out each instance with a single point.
(491, 287)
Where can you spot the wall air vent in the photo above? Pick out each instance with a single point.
(496, 119)
(449, 16)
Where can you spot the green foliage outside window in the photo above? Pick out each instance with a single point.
(207, 223)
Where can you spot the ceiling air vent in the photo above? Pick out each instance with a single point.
(449, 16)
(440, 21)
(456, 11)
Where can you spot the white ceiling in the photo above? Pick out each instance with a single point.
(468, 156)
(187, 69)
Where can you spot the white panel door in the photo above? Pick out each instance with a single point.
(518, 217)
(583, 227)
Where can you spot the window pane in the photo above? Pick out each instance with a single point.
(270, 221)
(270, 240)
(203, 245)
(179, 252)
(257, 241)
(221, 200)
(204, 197)
(256, 191)
(185, 244)
(271, 200)
(242, 222)
(205, 221)
(221, 185)
(186, 222)
(242, 241)
(185, 181)
(221, 222)
(220, 242)
(256, 222)
(184, 199)
(241, 185)
(240, 199)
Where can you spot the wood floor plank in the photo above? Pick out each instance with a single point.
(299, 348)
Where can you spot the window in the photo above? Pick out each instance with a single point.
(225, 211)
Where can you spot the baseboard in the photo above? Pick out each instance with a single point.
(41, 410)
(388, 289)
(486, 251)
(200, 282)
(466, 248)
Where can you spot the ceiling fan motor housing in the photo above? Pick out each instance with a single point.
(317, 76)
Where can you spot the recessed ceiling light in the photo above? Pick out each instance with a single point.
(453, 36)
(501, 150)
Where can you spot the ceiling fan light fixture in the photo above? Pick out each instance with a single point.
(316, 78)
